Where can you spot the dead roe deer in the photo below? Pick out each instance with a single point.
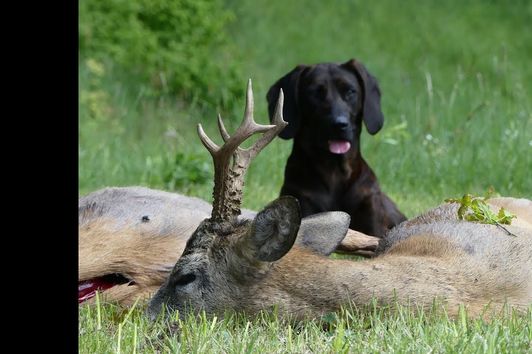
(131, 237)
(251, 265)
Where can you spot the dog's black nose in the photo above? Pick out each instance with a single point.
(341, 123)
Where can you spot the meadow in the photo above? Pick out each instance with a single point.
(456, 83)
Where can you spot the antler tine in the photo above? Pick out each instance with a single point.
(223, 132)
(207, 142)
(267, 137)
(278, 115)
(248, 127)
(250, 103)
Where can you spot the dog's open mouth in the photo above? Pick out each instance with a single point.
(88, 288)
(339, 146)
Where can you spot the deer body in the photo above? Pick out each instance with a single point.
(434, 256)
(139, 233)
(456, 261)
(136, 232)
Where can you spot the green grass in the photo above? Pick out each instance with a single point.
(108, 328)
(456, 81)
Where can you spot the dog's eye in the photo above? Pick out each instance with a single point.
(350, 94)
(320, 92)
(185, 279)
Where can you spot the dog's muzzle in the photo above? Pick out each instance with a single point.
(341, 135)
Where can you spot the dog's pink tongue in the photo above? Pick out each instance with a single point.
(339, 146)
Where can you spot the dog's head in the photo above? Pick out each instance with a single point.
(326, 103)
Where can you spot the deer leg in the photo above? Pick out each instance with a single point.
(358, 243)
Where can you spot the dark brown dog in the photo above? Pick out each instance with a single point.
(325, 105)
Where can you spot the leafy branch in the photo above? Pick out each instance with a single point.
(476, 209)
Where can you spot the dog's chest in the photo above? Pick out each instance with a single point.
(335, 185)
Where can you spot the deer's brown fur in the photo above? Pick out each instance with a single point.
(437, 263)
(145, 257)
(113, 238)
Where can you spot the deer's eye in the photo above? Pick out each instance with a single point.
(185, 279)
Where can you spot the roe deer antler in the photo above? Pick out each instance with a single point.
(231, 162)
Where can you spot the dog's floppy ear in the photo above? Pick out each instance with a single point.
(371, 112)
(289, 84)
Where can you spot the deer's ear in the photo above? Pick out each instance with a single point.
(323, 232)
(274, 229)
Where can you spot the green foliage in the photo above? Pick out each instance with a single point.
(455, 97)
(186, 171)
(171, 47)
(477, 210)
(93, 98)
